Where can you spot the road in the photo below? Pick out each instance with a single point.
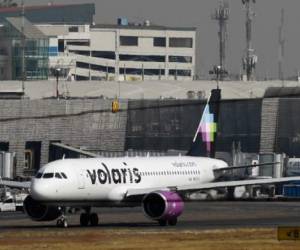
(197, 215)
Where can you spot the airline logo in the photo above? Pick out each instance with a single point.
(207, 128)
(105, 175)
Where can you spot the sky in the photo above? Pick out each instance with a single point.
(197, 13)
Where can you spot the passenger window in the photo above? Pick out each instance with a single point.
(48, 176)
(38, 175)
(58, 176)
(64, 175)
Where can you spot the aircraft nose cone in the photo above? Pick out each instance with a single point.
(39, 191)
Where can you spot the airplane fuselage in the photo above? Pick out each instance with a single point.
(99, 180)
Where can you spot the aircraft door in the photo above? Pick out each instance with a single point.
(81, 179)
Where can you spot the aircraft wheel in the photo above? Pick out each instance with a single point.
(59, 223)
(94, 219)
(65, 223)
(162, 223)
(172, 222)
(84, 219)
(62, 222)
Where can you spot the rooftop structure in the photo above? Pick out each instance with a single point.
(54, 13)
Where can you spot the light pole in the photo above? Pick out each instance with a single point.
(219, 73)
(57, 70)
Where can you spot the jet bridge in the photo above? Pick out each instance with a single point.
(60, 150)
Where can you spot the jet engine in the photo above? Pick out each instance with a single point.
(39, 212)
(163, 205)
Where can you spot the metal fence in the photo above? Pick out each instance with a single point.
(170, 124)
(288, 127)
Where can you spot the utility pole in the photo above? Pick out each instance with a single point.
(250, 59)
(281, 41)
(221, 14)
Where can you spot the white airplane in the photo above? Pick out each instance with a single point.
(158, 184)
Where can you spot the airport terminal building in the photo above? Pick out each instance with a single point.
(64, 39)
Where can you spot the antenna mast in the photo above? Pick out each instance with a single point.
(221, 14)
(250, 59)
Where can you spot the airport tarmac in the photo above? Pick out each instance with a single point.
(196, 216)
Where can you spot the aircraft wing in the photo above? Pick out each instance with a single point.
(212, 185)
(245, 166)
(15, 184)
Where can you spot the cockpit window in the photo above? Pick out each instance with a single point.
(38, 175)
(48, 175)
(64, 175)
(58, 176)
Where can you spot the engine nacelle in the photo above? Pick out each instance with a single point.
(39, 212)
(163, 205)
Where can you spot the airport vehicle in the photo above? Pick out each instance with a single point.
(158, 184)
(8, 206)
(12, 202)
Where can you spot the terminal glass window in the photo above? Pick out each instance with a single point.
(81, 52)
(181, 42)
(73, 29)
(79, 43)
(4, 146)
(142, 58)
(61, 45)
(139, 71)
(159, 42)
(180, 59)
(32, 155)
(104, 54)
(36, 56)
(179, 72)
(128, 40)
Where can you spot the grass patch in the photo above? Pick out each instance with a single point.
(99, 238)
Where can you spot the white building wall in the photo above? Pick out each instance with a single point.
(107, 40)
(103, 41)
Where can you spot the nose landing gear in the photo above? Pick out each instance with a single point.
(62, 220)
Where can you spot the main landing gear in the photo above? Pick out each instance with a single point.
(89, 218)
(170, 222)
